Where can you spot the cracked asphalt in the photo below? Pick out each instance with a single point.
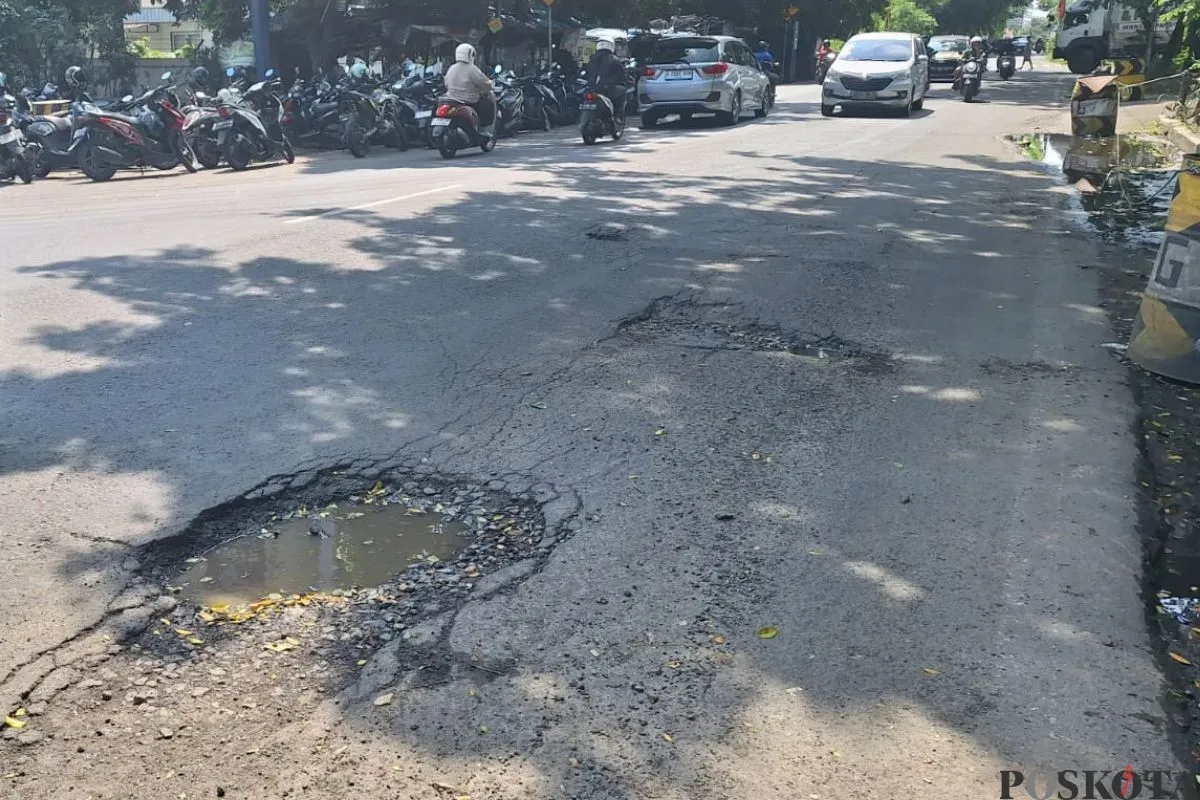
(836, 377)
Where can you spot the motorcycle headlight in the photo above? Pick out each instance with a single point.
(971, 67)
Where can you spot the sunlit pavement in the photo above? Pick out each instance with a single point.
(934, 514)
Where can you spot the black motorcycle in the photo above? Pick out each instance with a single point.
(456, 127)
(142, 132)
(313, 114)
(510, 103)
(970, 78)
(50, 134)
(1006, 66)
(15, 160)
(416, 100)
(251, 130)
(540, 104)
(599, 117)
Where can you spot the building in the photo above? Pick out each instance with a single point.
(160, 28)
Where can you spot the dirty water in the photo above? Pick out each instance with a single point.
(1132, 181)
(348, 547)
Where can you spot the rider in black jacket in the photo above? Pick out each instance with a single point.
(608, 75)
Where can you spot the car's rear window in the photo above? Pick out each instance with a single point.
(948, 45)
(876, 50)
(688, 51)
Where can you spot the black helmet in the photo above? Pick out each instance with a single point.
(200, 76)
(76, 77)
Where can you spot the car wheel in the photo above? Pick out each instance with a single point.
(919, 104)
(734, 114)
(649, 121)
(759, 113)
(826, 111)
(908, 108)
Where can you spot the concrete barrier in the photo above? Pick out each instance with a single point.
(1094, 106)
(1166, 332)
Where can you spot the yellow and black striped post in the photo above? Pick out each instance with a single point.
(1130, 75)
(1166, 333)
(47, 107)
(1094, 106)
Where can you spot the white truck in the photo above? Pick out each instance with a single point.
(1093, 30)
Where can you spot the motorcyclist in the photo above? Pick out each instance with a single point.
(824, 50)
(607, 75)
(764, 56)
(466, 83)
(977, 53)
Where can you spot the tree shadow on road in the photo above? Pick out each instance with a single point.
(638, 669)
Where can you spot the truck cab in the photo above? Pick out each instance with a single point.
(1093, 30)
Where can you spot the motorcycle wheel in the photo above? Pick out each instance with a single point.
(237, 154)
(207, 152)
(589, 135)
(289, 155)
(969, 92)
(445, 144)
(42, 167)
(489, 144)
(92, 166)
(187, 156)
(356, 140)
(23, 170)
(618, 129)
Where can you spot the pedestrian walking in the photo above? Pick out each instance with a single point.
(1027, 57)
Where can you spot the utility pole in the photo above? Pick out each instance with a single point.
(260, 25)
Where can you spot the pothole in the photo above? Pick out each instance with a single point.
(342, 546)
(1125, 182)
(685, 325)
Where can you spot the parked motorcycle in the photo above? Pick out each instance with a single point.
(312, 113)
(456, 127)
(823, 66)
(416, 99)
(510, 103)
(1006, 66)
(15, 161)
(150, 135)
(970, 77)
(539, 104)
(599, 118)
(251, 130)
(49, 134)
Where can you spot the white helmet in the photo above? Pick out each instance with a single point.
(605, 44)
(976, 40)
(465, 53)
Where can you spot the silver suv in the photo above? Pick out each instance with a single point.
(689, 74)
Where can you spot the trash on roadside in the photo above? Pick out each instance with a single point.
(1183, 609)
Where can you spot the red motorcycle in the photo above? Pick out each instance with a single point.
(142, 132)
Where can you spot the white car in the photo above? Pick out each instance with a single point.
(889, 70)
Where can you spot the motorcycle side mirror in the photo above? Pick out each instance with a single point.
(499, 70)
(166, 76)
(231, 72)
(127, 98)
(269, 74)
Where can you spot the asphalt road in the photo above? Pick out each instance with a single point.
(937, 516)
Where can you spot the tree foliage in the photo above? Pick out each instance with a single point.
(39, 38)
(907, 16)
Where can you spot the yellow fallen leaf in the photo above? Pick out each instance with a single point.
(1180, 659)
(276, 596)
(668, 738)
(661, 432)
(483, 728)
(1174, 458)
(207, 616)
(196, 640)
(14, 723)
(182, 632)
(20, 712)
(385, 699)
(362, 662)
(471, 692)
(768, 632)
(717, 638)
(930, 671)
(280, 646)
(219, 608)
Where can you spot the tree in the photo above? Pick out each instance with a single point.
(39, 37)
(907, 16)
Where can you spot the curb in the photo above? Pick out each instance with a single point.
(1180, 135)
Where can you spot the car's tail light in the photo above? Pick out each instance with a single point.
(720, 68)
(444, 110)
(649, 72)
(590, 97)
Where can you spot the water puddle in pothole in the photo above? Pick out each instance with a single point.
(354, 545)
(1125, 182)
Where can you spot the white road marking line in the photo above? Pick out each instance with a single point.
(396, 199)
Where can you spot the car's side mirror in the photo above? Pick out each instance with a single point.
(923, 57)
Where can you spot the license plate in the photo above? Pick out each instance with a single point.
(424, 114)
(440, 122)
(588, 107)
(222, 125)
(11, 136)
(862, 95)
(679, 74)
